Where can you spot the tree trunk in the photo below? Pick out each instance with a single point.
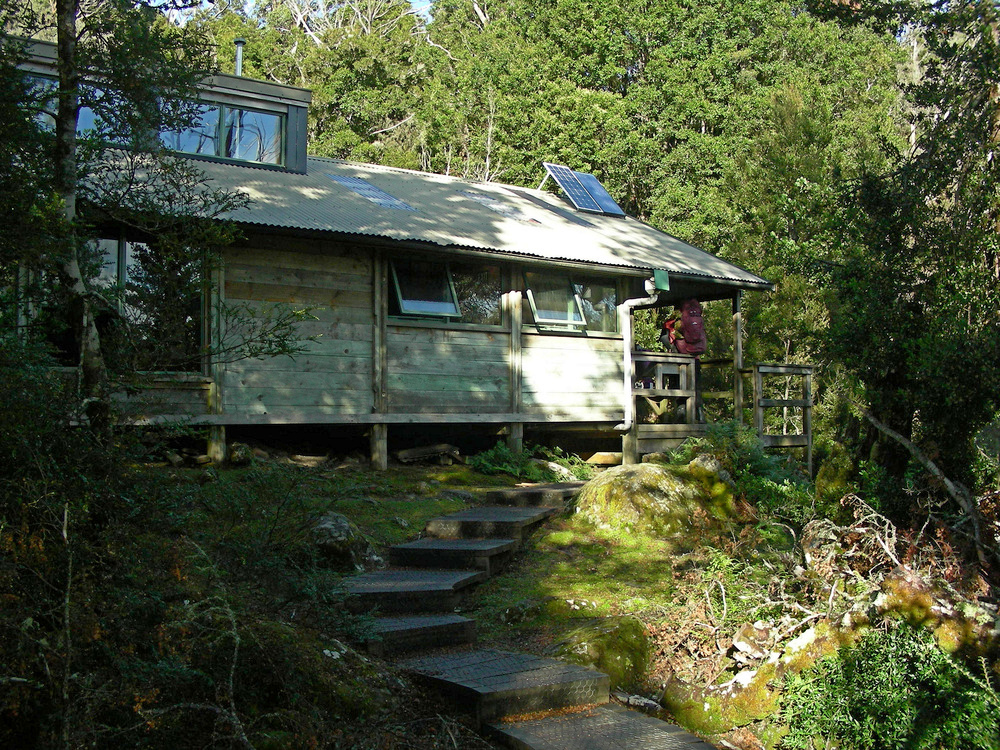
(94, 380)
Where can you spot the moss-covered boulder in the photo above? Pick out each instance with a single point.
(655, 499)
(618, 646)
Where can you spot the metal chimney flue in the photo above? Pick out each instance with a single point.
(239, 42)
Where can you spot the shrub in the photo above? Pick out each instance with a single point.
(500, 459)
(895, 689)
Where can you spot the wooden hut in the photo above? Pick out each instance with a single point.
(434, 300)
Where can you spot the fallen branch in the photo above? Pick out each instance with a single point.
(958, 492)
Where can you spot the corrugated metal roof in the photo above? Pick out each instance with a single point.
(450, 212)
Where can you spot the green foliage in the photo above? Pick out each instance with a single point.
(895, 690)
(740, 452)
(771, 483)
(500, 459)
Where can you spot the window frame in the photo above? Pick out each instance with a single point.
(555, 324)
(402, 302)
(224, 109)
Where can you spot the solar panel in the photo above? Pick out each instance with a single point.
(574, 190)
(593, 186)
(375, 194)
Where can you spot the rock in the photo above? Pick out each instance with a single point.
(652, 499)
(618, 646)
(308, 461)
(655, 458)
(560, 471)
(240, 454)
(261, 454)
(638, 701)
(709, 467)
(175, 459)
(202, 460)
(464, 495)
(524, 610)
(341, 542)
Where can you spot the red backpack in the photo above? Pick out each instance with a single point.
(687, 333)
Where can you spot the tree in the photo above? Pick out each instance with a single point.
(919, 322)
(125, 75)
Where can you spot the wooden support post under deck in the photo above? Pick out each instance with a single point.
(738, 357)
(630, 446)
(379, 434)
(217, 443)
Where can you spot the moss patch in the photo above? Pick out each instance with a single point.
(655, 499)
(618, 646)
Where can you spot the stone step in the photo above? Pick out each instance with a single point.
(494, 684)
(488, 521)
(555, 494)
(482, 554)
(599, 728)
(409, 591)
(397, 635)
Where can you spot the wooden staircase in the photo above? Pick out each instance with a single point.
(416, 602)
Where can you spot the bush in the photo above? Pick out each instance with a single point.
(894, 690)
(768, 482)
(500, 459)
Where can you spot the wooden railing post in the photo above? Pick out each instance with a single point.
(738, 357)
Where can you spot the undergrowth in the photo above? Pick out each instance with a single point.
(894, 690)
(528, 464)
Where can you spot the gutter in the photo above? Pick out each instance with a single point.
(625, 325)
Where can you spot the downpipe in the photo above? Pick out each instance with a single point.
(625, 326)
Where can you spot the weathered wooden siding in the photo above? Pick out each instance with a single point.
(447, 371)
(334, 375)
(166, 395)
(572, 377)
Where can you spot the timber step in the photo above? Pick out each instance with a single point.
(408, 591)
(489, 521)
(482, 554)
(555, 494)
(397, 635)
(494, 684)
(598, 728)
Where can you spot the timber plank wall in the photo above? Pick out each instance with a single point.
(334, 375)
(487, 373)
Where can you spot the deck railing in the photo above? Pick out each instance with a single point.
(669, 401)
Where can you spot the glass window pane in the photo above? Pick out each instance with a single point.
(201, 138)
(479, 292)
(43, 91)
(107, 255)
(424, 287)
(600, 303)
(553, 298)
(252, 136)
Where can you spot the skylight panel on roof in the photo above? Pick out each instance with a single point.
(498, 206)
(368, 191)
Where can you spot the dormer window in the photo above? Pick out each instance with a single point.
(232, 133)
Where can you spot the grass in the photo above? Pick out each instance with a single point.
(569, 570)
